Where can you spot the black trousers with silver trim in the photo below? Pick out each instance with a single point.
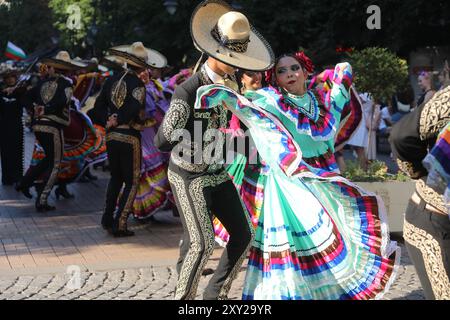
(124, 155)
(52, 141)
(427, 239)
(198, 197)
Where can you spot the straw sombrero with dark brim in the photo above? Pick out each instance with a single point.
(227, 36)
(91, 65)
(110, 63)
(62, 61)
(139, 56)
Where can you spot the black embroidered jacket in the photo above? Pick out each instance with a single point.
(122, 94)
(54, 95)
(193, 136)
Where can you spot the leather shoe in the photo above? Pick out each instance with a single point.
(107, 223)
(62, 192)
(122, 233)
(25, 191)
(44, 207)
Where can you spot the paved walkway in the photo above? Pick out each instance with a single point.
(66, 255)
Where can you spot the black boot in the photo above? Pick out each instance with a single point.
(43, 207)
(123, 233)
(107, 222)
(116, 232)
(62, 191)
(25, 190)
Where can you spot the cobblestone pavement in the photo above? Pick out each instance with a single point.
(41, 255)
(151, 283)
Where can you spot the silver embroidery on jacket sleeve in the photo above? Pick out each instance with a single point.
(176, 118)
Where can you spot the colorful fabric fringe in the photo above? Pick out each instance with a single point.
(99, 155)
(351, 115)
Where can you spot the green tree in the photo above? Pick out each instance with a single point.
(27, 24)
(379, 72)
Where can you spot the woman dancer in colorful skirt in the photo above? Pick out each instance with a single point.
(153, 192)
(318, 235)
(245, 173)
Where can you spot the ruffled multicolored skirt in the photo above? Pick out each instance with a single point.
(81, 140)
(317, 240)
(154, 190)
(100, 154)
(318, 236)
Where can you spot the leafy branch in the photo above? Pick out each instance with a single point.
(379, 72)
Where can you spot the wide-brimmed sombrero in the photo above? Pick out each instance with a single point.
(139, 56)
(62, 61)
(110, 63)
(91, 65)
(227, 36)
(9, 71)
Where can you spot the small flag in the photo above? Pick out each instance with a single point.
(14, 52)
